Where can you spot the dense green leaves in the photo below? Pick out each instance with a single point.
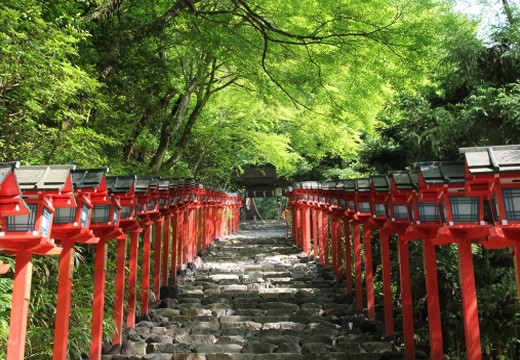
(202, 88)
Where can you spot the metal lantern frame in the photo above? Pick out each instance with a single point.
(493, 173)
(26, 214)
(380, 192)
(362, 198)
(123, 187)
(404, 185)
(143, 195)
(349, 186)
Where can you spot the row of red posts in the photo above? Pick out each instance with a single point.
(48, 210)
(476, 201)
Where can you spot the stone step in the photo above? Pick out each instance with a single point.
(253, 297)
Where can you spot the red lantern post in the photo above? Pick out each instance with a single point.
(25, 229)
(147, 211)
(494, 172)
(305, 217)
(380, 192)
(71, 226)
(123, 187)
(436, 181)
(351, 212)
(333, 193)
(165, 201)
(404, 185)
(362, 216)
(104, 224)
(176, 211)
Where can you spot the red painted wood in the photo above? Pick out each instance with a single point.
(406, 299)
(469, 301)
(298, 237)
(387, 283)
(166, 251)
(320, 237)
(326, 239)
(193, 234)
(61, 327)
(337, 261)
(357, 266)
(157, 257)
(20, 306)
(145, 267)
(369, 275)
(200, 229)
(306, 230)
(132, 279)
(98, 306)
(185, 238)
(174, 254)
(119, 294)
(314, 230)
(348, 256)
(432, 290)
(334, 244)
(339, 250)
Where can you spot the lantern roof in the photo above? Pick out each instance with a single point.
(492, 159)
(175, 183)
(89, 178)
(312, 185)
(7, 168)
(120, 184)
(192, 183)
(333, 185)
(154, 183)
(44, 177)
(405, 180)
(11, 201)
(442, 172)
(164, 184)
(142, 184)
(349, 185)
(380, 183)
(362, 184)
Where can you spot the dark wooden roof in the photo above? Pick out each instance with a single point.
(332, 185)
(349, 185)
(312, 185)
(260, 178)
(89, 178)
(51, 177)
(362, 184)
(120, 184)
(142, 184)
(381, 183)
(492, 159)
(405, 180)
(175, 183)
(164, 184)
(442, 172)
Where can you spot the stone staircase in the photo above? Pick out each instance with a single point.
(254, 296)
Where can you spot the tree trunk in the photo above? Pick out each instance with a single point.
(508, 12)
(139, 126)
(169, 127)
(181, 143)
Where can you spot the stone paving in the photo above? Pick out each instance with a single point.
(255, 296)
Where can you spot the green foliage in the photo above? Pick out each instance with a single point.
(41, 85)
(321, 90)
